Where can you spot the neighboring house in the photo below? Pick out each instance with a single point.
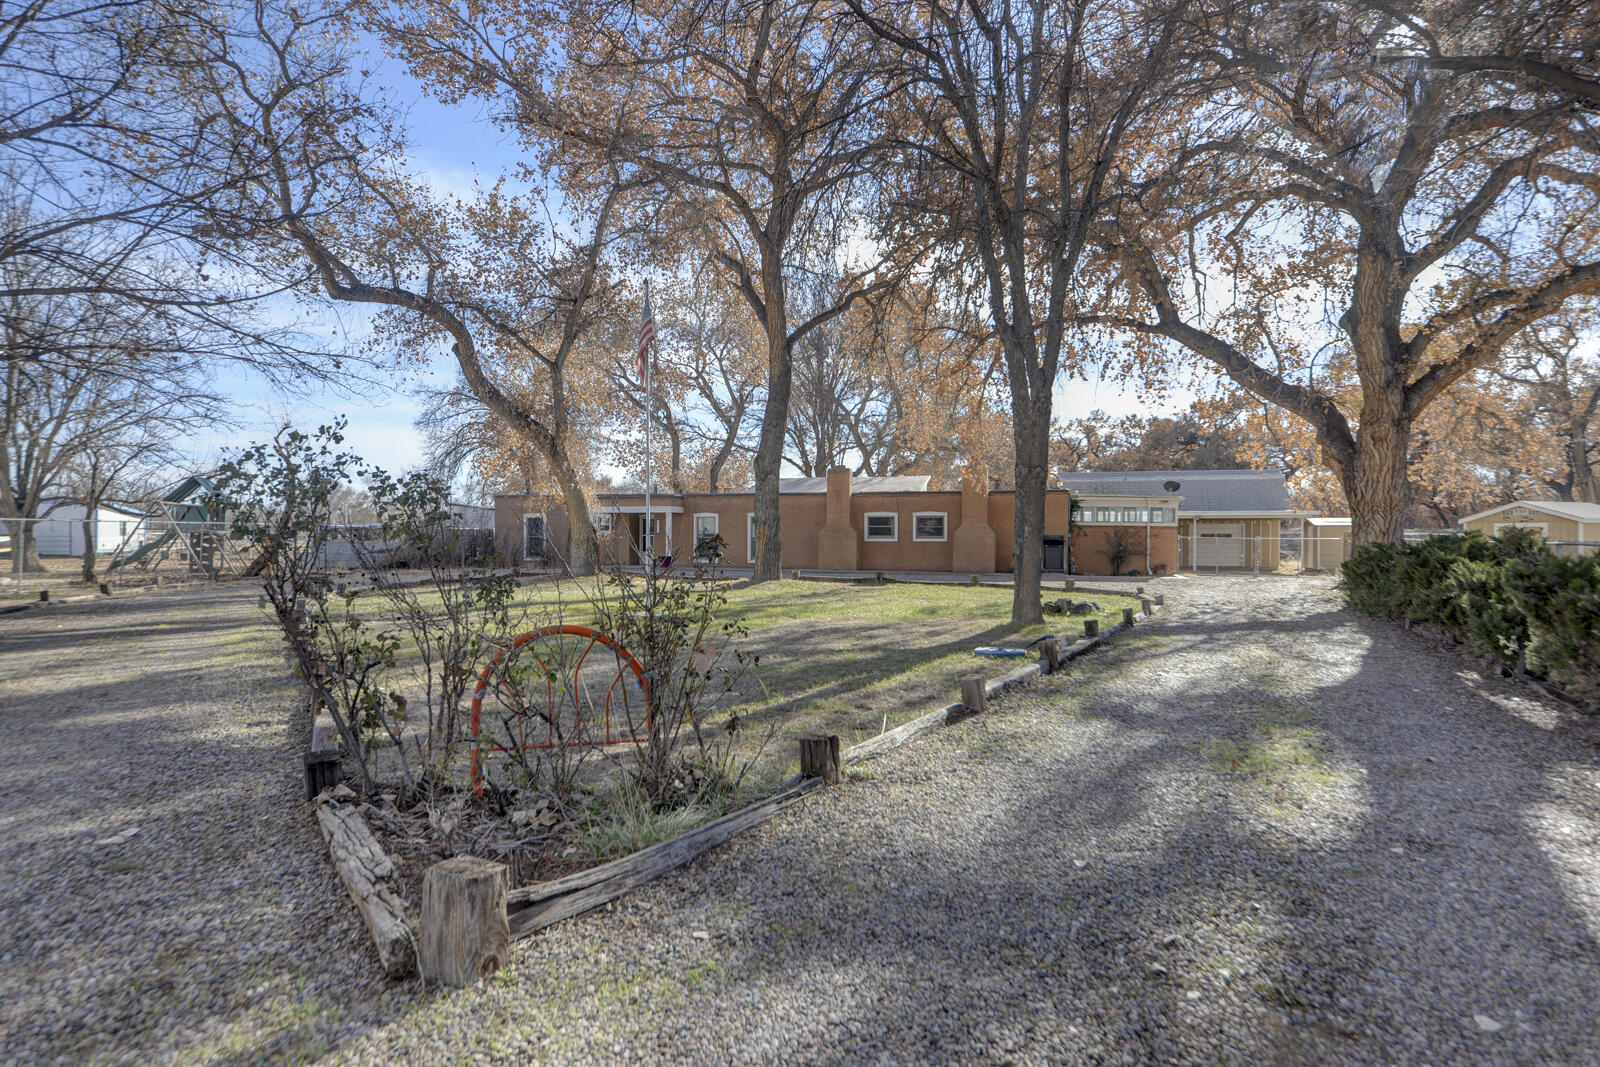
(60, 533)
(1229, 521)
(1562, 522)
(844, 523)
(1325, 542)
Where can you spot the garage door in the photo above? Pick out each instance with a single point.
(1220, 546)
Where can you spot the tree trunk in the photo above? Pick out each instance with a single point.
(1376, 485)
(24, 542)
(1030, 433)
(89, 547)
(1584, 482)
(583, 547)
(774, 423)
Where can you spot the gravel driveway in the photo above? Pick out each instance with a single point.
(1262, 831)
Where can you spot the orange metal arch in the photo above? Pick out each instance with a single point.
(595, 638)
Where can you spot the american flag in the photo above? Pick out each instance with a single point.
(647, 333)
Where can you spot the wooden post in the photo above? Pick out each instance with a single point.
(323, 771)
(1049, 656)
(973, 695)
(1091, 627)
(465, 932)
(1160, 600)
(819, 758)
(1145, 603)
(1127, 616)
(44, 596)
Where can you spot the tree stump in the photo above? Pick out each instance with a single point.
(1146, 604)
(1127, 616)
(324, 770)
(44, 596)
(465, 933)
(819, 758)
(1160, 600)
(1049, 656)
(974, 696)
(1091, 627)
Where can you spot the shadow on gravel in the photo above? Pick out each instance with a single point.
(1378, 939)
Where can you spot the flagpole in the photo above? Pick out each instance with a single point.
(649, 530)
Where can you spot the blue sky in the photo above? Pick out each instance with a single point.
(453, 146)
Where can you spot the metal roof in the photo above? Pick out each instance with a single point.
(1567, 509)
(1202, 491)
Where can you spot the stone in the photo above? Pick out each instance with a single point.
(1488, 1024)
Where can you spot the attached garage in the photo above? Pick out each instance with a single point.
(1220, 545)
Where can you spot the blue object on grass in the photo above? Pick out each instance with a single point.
(999, 651)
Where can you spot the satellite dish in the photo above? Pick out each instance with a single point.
(1171, 487)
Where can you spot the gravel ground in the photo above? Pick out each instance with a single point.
(218, 931)
(1262, 831)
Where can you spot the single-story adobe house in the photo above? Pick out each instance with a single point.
(845, 523)
(1230, 519)
(1326, 542)
(1572, 522)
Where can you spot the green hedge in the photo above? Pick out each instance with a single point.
(1509, 597)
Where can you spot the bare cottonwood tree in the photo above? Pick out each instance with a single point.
(758, 120)
(1019, 118)
(1426, 215)
(325, 206)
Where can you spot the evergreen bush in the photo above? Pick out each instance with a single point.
(1508, 597)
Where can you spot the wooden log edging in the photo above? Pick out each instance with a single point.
(369, 875)
(533, 907)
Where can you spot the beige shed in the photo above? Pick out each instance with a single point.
(1571, 527)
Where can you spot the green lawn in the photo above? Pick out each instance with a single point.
(851, 659)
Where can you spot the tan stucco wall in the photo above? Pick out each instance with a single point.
(1091, 551)
(803, 517)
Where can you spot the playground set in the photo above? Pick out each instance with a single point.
(188, 527)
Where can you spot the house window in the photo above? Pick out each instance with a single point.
(1158, 514)
(533, 544)
(750, 536)
(928, 526)
(1105, 514)
(1132, 515)
(602, 522)
(705, 532)
(649, 526)
(882, 526)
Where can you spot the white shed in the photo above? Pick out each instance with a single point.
(60, 533)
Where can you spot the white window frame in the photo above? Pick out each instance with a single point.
(544, 533)
(602, 522)
(866, 526)
(750, 536)
(1104, 514)
(694, 528)
(944, 525)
